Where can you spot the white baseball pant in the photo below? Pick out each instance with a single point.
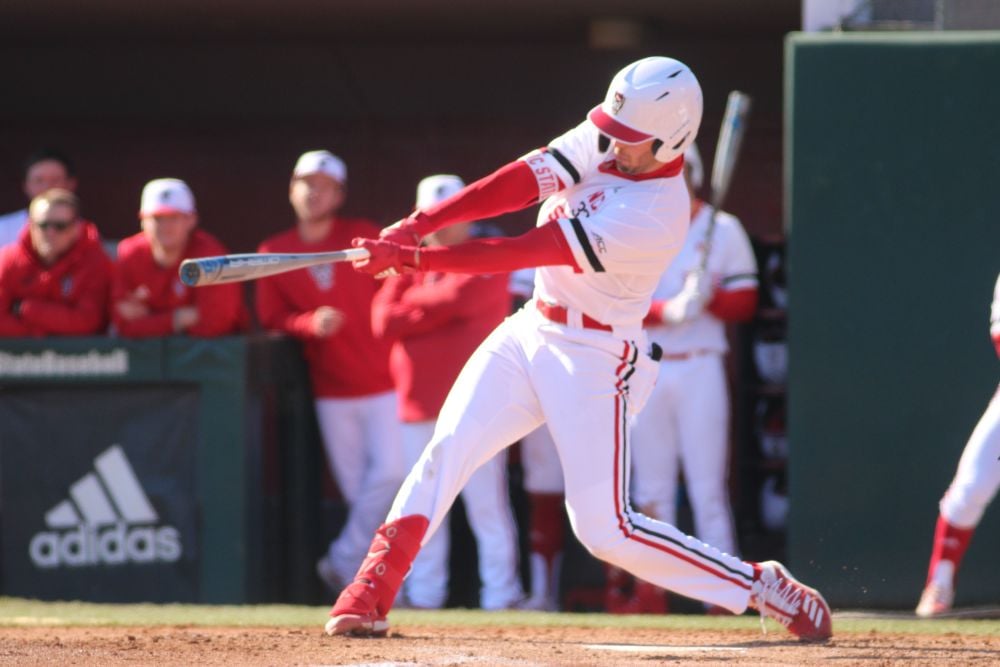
(978, 476)
(585, 385)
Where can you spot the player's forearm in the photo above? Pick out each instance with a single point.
(85, 317)
(149, 326)
(509, 188)
(542, 246)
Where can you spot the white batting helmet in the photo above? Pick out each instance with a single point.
(653, 98)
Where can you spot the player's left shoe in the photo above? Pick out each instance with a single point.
(362, 608)
(936, 599)
(801, 609)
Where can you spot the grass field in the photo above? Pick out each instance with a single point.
(21, 613)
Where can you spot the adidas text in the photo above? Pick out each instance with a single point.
(113, 545)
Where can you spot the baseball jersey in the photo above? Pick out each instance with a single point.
(352, 362)
(220, 307)
(731, 266)
(623, 230)
(995, 317)
(11, 225)
(437, 320)
(68, 298)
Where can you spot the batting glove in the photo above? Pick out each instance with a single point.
(690, 301)
(401, 232)
(386, 258)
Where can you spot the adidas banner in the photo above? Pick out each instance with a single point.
(98, 493)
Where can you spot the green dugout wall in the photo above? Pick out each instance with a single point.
(893, 203)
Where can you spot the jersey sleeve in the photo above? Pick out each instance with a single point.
(567, 159)
(618, 239)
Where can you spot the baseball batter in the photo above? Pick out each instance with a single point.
(974, 486)
(687, 425)
(614, 215)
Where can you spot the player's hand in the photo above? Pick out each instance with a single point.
(690, 301)
(386, 258)
(185, 317)
(326, 321)
(131, 309)
(400, 232)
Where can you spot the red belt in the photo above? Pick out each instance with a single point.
(560, 315)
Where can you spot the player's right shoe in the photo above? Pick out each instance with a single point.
(356, 613)
(777, 594)
(936, 599)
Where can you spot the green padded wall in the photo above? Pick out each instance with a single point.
(893, 204)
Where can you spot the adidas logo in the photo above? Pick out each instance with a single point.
(107, 520)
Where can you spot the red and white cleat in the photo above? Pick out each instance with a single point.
(936, 600)
(801, 609)
(356, 614)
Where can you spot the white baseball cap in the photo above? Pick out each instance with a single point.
(321, 162)
(439, 187)
(692, 159)
(166, 195)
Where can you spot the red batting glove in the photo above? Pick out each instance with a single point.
(402, 232)
(386, 258)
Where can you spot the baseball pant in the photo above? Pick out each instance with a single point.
(978, 476)
(364, 451)
(686, 427)
(487, 507)
(585, 385)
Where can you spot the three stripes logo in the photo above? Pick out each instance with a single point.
(107, 520)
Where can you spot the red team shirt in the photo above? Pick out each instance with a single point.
(352, 362)
(437, 321)
(69, 298)
(220, 308)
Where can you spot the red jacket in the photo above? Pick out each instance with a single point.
(351, 362)
(437, 320)
(220, 308)
(69, 298)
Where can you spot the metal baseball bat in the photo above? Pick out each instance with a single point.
(727, 152)
(250, 266)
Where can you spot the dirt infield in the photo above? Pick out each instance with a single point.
(419, 645)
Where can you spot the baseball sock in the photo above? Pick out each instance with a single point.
(381, 574)
(950, 543)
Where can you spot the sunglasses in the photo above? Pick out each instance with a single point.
(57, 225)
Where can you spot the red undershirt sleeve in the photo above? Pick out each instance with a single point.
(542, 246)
(736, 305)
(512, 187)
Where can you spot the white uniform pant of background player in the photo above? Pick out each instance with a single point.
(487, 507)
(364, 450)
(686, 427)
(978, 476)
(531, 371)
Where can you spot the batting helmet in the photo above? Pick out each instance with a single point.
(653, 98)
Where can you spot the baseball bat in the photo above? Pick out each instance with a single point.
(221, 269)
(727, 152)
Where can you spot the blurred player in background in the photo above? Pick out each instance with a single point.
(328, 308)
(436, 321)
(147, 296)
(974, 486)
(55, 279)
(685, 427)
(43, 170)
(543, 482)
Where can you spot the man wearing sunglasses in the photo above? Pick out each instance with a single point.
(54, 280)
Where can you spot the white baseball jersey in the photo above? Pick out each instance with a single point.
(583, 382)
(622, 237)
(731, 265)
(11, 225)
(995, 311)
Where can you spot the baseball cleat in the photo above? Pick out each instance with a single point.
(801, 609)
(935, 600)
(358, 625)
